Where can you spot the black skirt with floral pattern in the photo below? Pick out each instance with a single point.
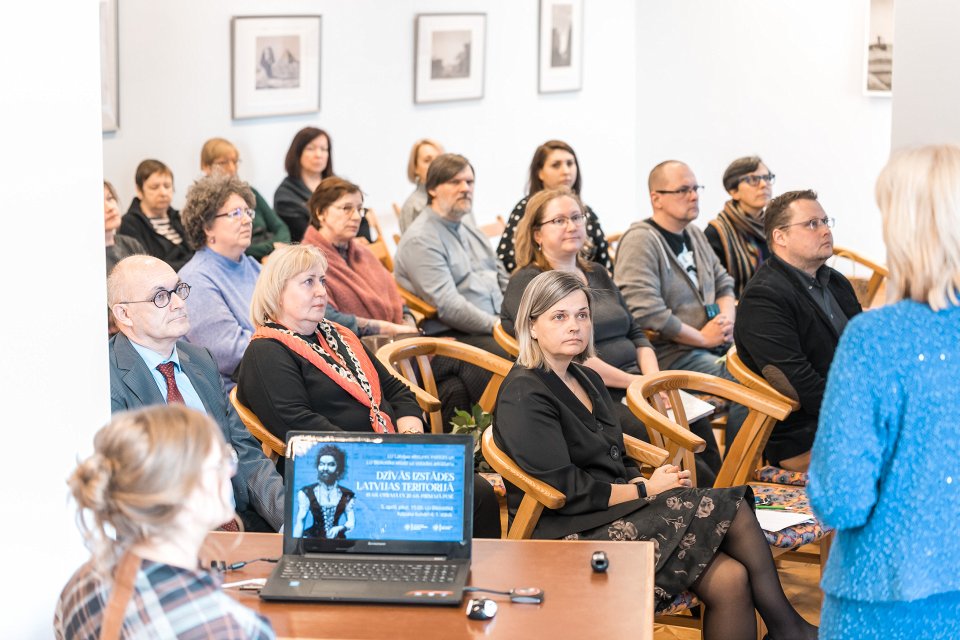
(686, 527)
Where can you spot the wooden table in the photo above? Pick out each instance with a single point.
(578, 603)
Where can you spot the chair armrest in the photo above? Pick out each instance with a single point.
(419, 305)
(644, 452)
(660, 423)
(508, 469)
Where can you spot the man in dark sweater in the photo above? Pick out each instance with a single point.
(790, 318)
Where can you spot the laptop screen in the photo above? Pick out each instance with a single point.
(364, 492)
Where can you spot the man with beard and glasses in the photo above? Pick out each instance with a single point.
(446, 260)
(325, 509)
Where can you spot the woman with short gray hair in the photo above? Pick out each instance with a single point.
(218, 219)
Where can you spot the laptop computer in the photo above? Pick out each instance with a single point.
(383, 518)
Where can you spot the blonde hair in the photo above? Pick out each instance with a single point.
(214, 149)
(145, 464)
(284, 263)
(544, 291)
(918, 193)
(527, 251)
(415, 151)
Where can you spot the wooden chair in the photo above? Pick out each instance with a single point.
(538, 495)
(494, 229)
(273, 447)
(866, 288)
(748, 378)
(613, 239)
(409, 360)
(743, 455)
(505, 340)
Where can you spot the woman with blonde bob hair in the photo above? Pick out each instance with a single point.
(887, 447)
(555, 418)
(157, 483)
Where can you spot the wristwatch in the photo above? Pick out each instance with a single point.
(641, 489)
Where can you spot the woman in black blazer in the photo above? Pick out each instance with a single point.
(555, 418)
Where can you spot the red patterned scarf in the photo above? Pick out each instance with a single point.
(333, 364)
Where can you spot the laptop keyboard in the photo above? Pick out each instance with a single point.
(431, 572)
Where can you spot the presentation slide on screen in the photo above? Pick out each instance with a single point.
(379, 491)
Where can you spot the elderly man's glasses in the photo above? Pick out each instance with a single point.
(683, 191)
(237, 213)
(754, 180)
(813, 223)
(560, 222)
(162, 299)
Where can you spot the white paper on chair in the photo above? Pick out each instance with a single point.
(694, 407)
(776, 520)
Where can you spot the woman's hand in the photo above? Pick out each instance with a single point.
(665, 478)
(391, 329)
(409, 424)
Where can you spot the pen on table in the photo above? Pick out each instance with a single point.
(775, 507)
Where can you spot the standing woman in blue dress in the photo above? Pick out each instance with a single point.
(885, 469)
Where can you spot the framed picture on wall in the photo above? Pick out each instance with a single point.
(109, 66)
(878, 64)
(275, 65)
(449, 54)
(561, 45)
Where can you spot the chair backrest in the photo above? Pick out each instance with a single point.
(537, 494)
(613, 240)
(505, 340)
(379, 246)
(494, 229)
(743, 454)
(410, 360)
(273, 447)
(745, 376)
(866, 288)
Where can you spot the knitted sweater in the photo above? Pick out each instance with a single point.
(660, 294)
(219, 306)
(885, 469)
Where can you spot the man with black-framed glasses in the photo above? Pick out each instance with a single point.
(149, 364)
(792, 313)
(674, 283)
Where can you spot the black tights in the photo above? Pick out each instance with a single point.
(741, 577)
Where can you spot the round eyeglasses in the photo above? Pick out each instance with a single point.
(163, 296)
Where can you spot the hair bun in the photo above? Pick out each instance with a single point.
(90, 483)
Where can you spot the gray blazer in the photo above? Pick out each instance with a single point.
(257, 486)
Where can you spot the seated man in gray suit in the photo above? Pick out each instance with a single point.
(150, 365)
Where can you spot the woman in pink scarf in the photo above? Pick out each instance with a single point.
(356, 283)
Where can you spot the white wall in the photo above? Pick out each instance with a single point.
(54, 381)
(720, 80)
(924, 66)
(175, 93)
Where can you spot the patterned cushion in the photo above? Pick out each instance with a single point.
(776, 475)
(496, 482)
(796, 500)
(683, 602)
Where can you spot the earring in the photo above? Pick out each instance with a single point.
(540, 248)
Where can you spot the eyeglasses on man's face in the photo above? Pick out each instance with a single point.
(813, 223)
(754, 180)
(683, 192)
(237, 213)
(163, 297)
(560, 222)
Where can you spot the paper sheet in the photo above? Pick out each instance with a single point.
(775, 519)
